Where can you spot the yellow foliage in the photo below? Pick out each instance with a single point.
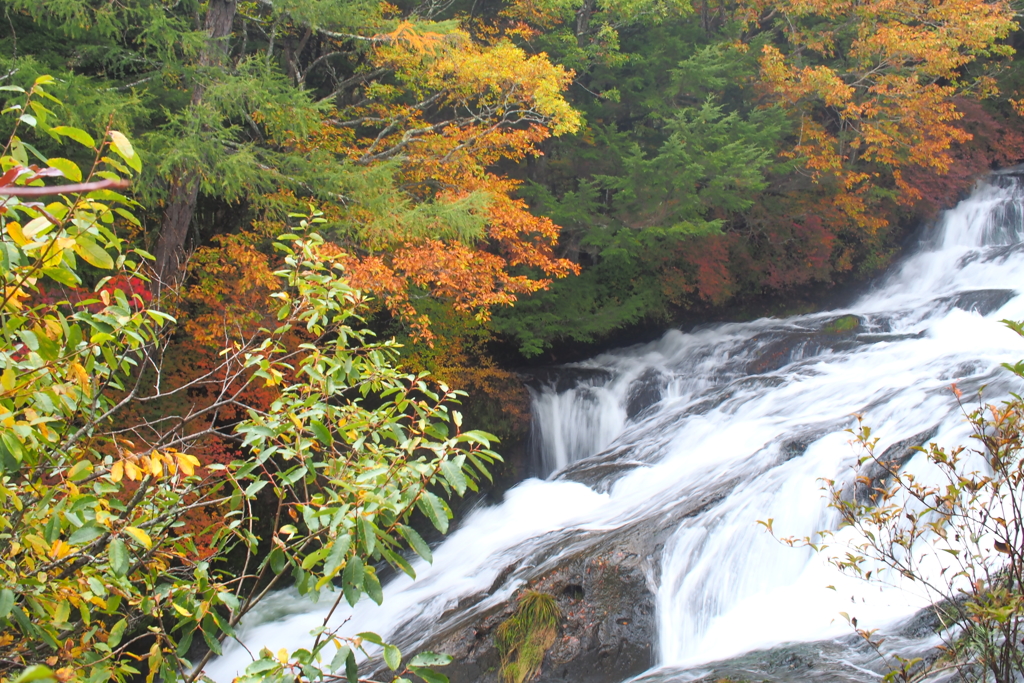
(889, 101)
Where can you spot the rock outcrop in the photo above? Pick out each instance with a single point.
(607, 631)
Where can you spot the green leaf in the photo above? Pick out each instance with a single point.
(323, 434)
(93, 253)
(88, 533)
(278, 560)
(310, 560)
(212, 643)
(261, 665)
(67, 167)
(397, 560)
(81, 470)
(454, 476)
(6, 602)
(431, 659)
(337, 555)
(48, 350)
(351, 668)
(36, 672)
(339, 658)
(352, 580)
(255, 487)
(371, 584)
(416, 542)
(392, 657)
(228, 599)
(117, 633)
(434, 508)
(76, 134)
(369, 537)
(117, 553)
(13, 446)
(30, 339)
(371, 637)
(62, 275)
(428, 675)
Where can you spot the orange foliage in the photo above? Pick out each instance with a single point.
(455, 110)
(874, 83)
(230, 290)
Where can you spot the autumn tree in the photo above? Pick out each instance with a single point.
(102, 577)
(390, 120)
(855, 121)
(873, 86)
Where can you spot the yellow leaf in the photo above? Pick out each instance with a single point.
(117, 471)
(139, 535)
(81, 376)
(14, 230)
(282, 655)
(187, 463)
(7, 380)
(38, 544)
(181, 610)
(59, 550)
(125, 150)
(131, 471)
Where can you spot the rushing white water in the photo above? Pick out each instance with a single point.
(628, 434)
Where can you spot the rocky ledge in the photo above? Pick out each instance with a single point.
(607, 629)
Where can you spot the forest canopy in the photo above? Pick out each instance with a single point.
(600, 164)
(260, 196)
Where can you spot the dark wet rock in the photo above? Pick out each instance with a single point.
(1001, 254)
(874, 474)
(607, 632)
(604, 585)
(645, 392)
(794, 446)
(599, 474)
(796, 663)
(565, 377)
(844, 660)
(782, 347)
(883, 337)
(966, 369)
(981, 301)
(779, 348)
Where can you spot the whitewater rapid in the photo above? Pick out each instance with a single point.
(726, 404)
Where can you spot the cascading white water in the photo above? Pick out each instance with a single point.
(763, 403)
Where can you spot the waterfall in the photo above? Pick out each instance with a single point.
(749, 416)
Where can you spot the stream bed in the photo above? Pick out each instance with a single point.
(662, 458)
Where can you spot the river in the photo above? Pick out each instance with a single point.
(749, 415)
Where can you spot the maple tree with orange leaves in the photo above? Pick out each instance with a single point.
(874, 85)
(445, 111)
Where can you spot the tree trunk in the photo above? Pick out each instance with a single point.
(181, 202)
(583, 15)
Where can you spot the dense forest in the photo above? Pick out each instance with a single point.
(199, 365)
